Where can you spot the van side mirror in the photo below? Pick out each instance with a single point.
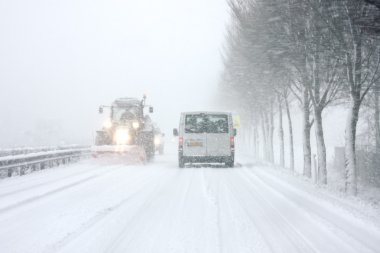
(175, 132)
(150, 109)
(100, 110)
(235, 132)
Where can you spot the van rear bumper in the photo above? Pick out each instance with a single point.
(208, 159)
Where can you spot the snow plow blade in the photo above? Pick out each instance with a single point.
(119, 154)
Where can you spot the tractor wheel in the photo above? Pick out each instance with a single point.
(150, 150)
(146, 140)
(230, 162)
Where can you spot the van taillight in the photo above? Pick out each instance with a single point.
(180, 141)
(232, 141)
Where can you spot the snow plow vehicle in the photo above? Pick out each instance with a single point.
(127, 134)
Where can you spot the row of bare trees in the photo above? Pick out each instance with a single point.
(315, 52)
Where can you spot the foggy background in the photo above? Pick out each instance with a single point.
(60, 60)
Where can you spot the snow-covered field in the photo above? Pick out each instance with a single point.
(89, 207)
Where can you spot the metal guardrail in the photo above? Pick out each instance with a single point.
(28, 150)
(26, 163)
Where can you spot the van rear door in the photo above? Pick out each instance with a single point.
(218, 135)
(194, 135)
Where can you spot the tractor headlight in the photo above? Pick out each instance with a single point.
(107, 124)
(157, 140)
(135, 124)
(121, 136)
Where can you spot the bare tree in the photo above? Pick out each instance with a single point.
(281, 130)
(377, 116)
(291, 137)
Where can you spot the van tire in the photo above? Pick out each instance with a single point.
(230, 162)
(181, 162)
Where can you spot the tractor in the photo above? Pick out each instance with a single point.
(128, 130)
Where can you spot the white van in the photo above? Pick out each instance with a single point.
(206, 137)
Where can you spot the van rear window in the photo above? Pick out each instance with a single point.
(206, 123)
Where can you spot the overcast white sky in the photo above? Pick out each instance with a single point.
(59, 60)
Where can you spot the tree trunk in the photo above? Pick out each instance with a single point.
(256, 143)
(263, 142)
(271, 132)
(318, 107)
(321, 147)
(281, 133)
(264, 136)
(306, 135)
(251, 144)
(267, 129)
(377, 129)
(291, 143)
(248, 136)
(377, 117)
(354, 71)
(350, 152)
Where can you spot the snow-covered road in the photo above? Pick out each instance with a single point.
(89, 207)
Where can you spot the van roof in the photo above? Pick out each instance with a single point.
(206, 112)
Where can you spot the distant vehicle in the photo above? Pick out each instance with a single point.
(127, 130)
(206, 137)
(159, 141)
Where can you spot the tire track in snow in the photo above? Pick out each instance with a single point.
(133, 220)
(180, 210)
(167, 213)
(55, 191)
(275, 229)
(41, 196)
(42, 174)
(343, 230)
(92, 169)
(242, 234)
(173, 227)
(213, 197)
(102, 215)
(178, 218)
(199, 221)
